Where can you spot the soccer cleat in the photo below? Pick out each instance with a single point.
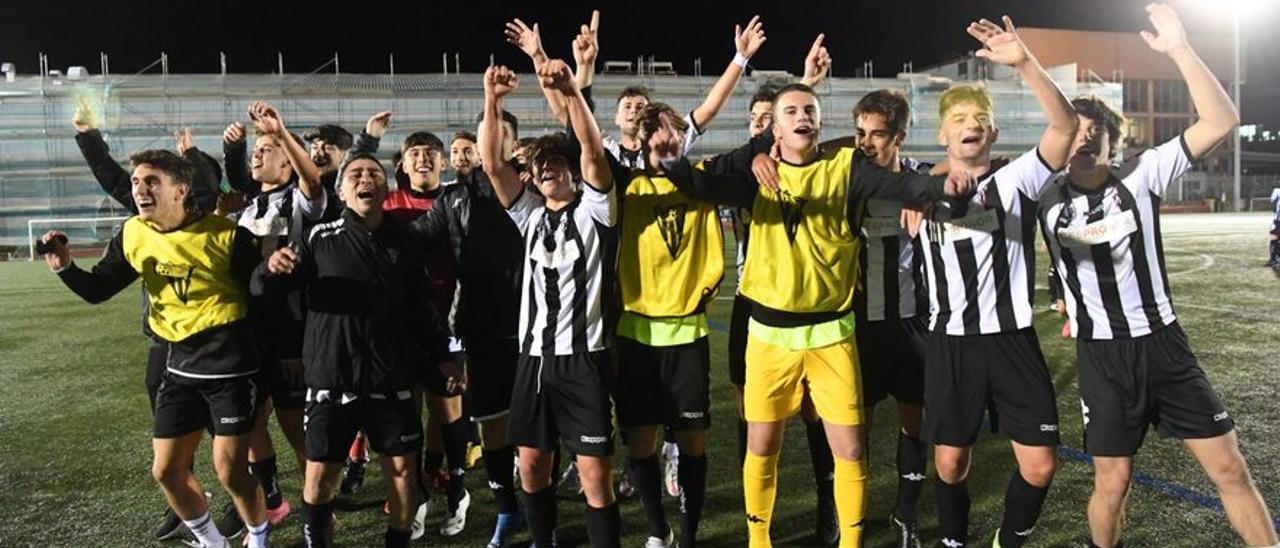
(671, 470)
(277, 514)
(570, 484)
(353, 478)
(456, 521)
(419, 526)
(668, 542)
(626, 487)
(507, 526)
(828, 526)
(906, 532)
(170, 526)
(230, 525)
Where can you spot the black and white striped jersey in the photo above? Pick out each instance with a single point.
(634, 159)
(1107, 245)
(891, 277)
(273, 215)
(569, 274)
(980, 255)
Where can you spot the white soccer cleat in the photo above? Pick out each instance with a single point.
(454, 523)
(419, 526)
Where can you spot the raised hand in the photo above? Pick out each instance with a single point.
(817, 63)
(528, 39)
(1002, 45)
(747, 41)
(60, 258)
(499, 81)
(84, 119)
(586, 46)
(555, 74)
(182, 140)
(234, 133)
(378, 124)
(266, 118)
(1169, 35)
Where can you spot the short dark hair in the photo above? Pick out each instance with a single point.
(464, 135)
(525, 141)
(507, 117)
(1097, 110)
(651, 118)
(890, 103)
(553, 144)
(766, 94)
(178, 168)
(331, 134)
(633, 91)
(295, 137)
(419, 138)
(793, 88)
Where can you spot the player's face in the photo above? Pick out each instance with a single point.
(968, 131)
(364, 186)
(1092, 148)
(554, 178)
(269, 163)
(326, 156)
(877, 139)
(667, 141)
(463, 156)
(423, 164)
(761, 115)
(797, 120)
(157, 195)
(629, 113)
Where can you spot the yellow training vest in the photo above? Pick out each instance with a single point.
(671, 254)
(802, 256)
(187, 275)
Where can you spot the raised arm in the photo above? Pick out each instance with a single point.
(269, 121)
(235, 160)
(746, 42)
(1218, 116)
(529, 40)
(1004, 46)
(817, 64)
(586, 49)
(369, 139)
(498, 82)
(596, 172)
(108, 277)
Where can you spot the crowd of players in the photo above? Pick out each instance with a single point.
(560, 285)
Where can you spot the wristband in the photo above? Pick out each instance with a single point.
(740, 60)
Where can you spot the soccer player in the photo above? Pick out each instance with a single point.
(1136, 365)
(463, 157)
(195, 268)
(1274, 261)
(564, 378)
(116, 182)
(801, 326)
(979, 259)
(369, 322)
(328, 145)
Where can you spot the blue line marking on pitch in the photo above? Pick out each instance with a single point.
(1144, 479)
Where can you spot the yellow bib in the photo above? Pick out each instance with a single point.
(187, 275)
(802, 255)
(671, 254)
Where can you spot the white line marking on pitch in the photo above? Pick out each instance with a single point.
(1207, 262)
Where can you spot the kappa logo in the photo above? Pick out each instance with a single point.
(410, 437)
(752, 518)
(231, 420)
(593, 439)
(179, 277)
(913, 476)
(1220, 417)
(671, 224)
(792, 213)
(951, 543)
(692, 414)
(1048, 428)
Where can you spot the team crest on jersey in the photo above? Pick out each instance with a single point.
(792, 213)
(671, 224)
(179, 277)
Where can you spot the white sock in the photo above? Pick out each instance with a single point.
(206, 531)
(258, 535)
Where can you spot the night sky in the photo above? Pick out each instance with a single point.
(419, 31)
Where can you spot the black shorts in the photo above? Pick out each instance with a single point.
(432, 379)
(184, 405)
(965, 376)
(155, 370)
(664, 384)
(391, 424)
(491, 373)
(286, 392)
(1126, 384)
(891, 353)
(563, 399)
(738, 319)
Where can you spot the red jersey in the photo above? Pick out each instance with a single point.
(407, 204)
